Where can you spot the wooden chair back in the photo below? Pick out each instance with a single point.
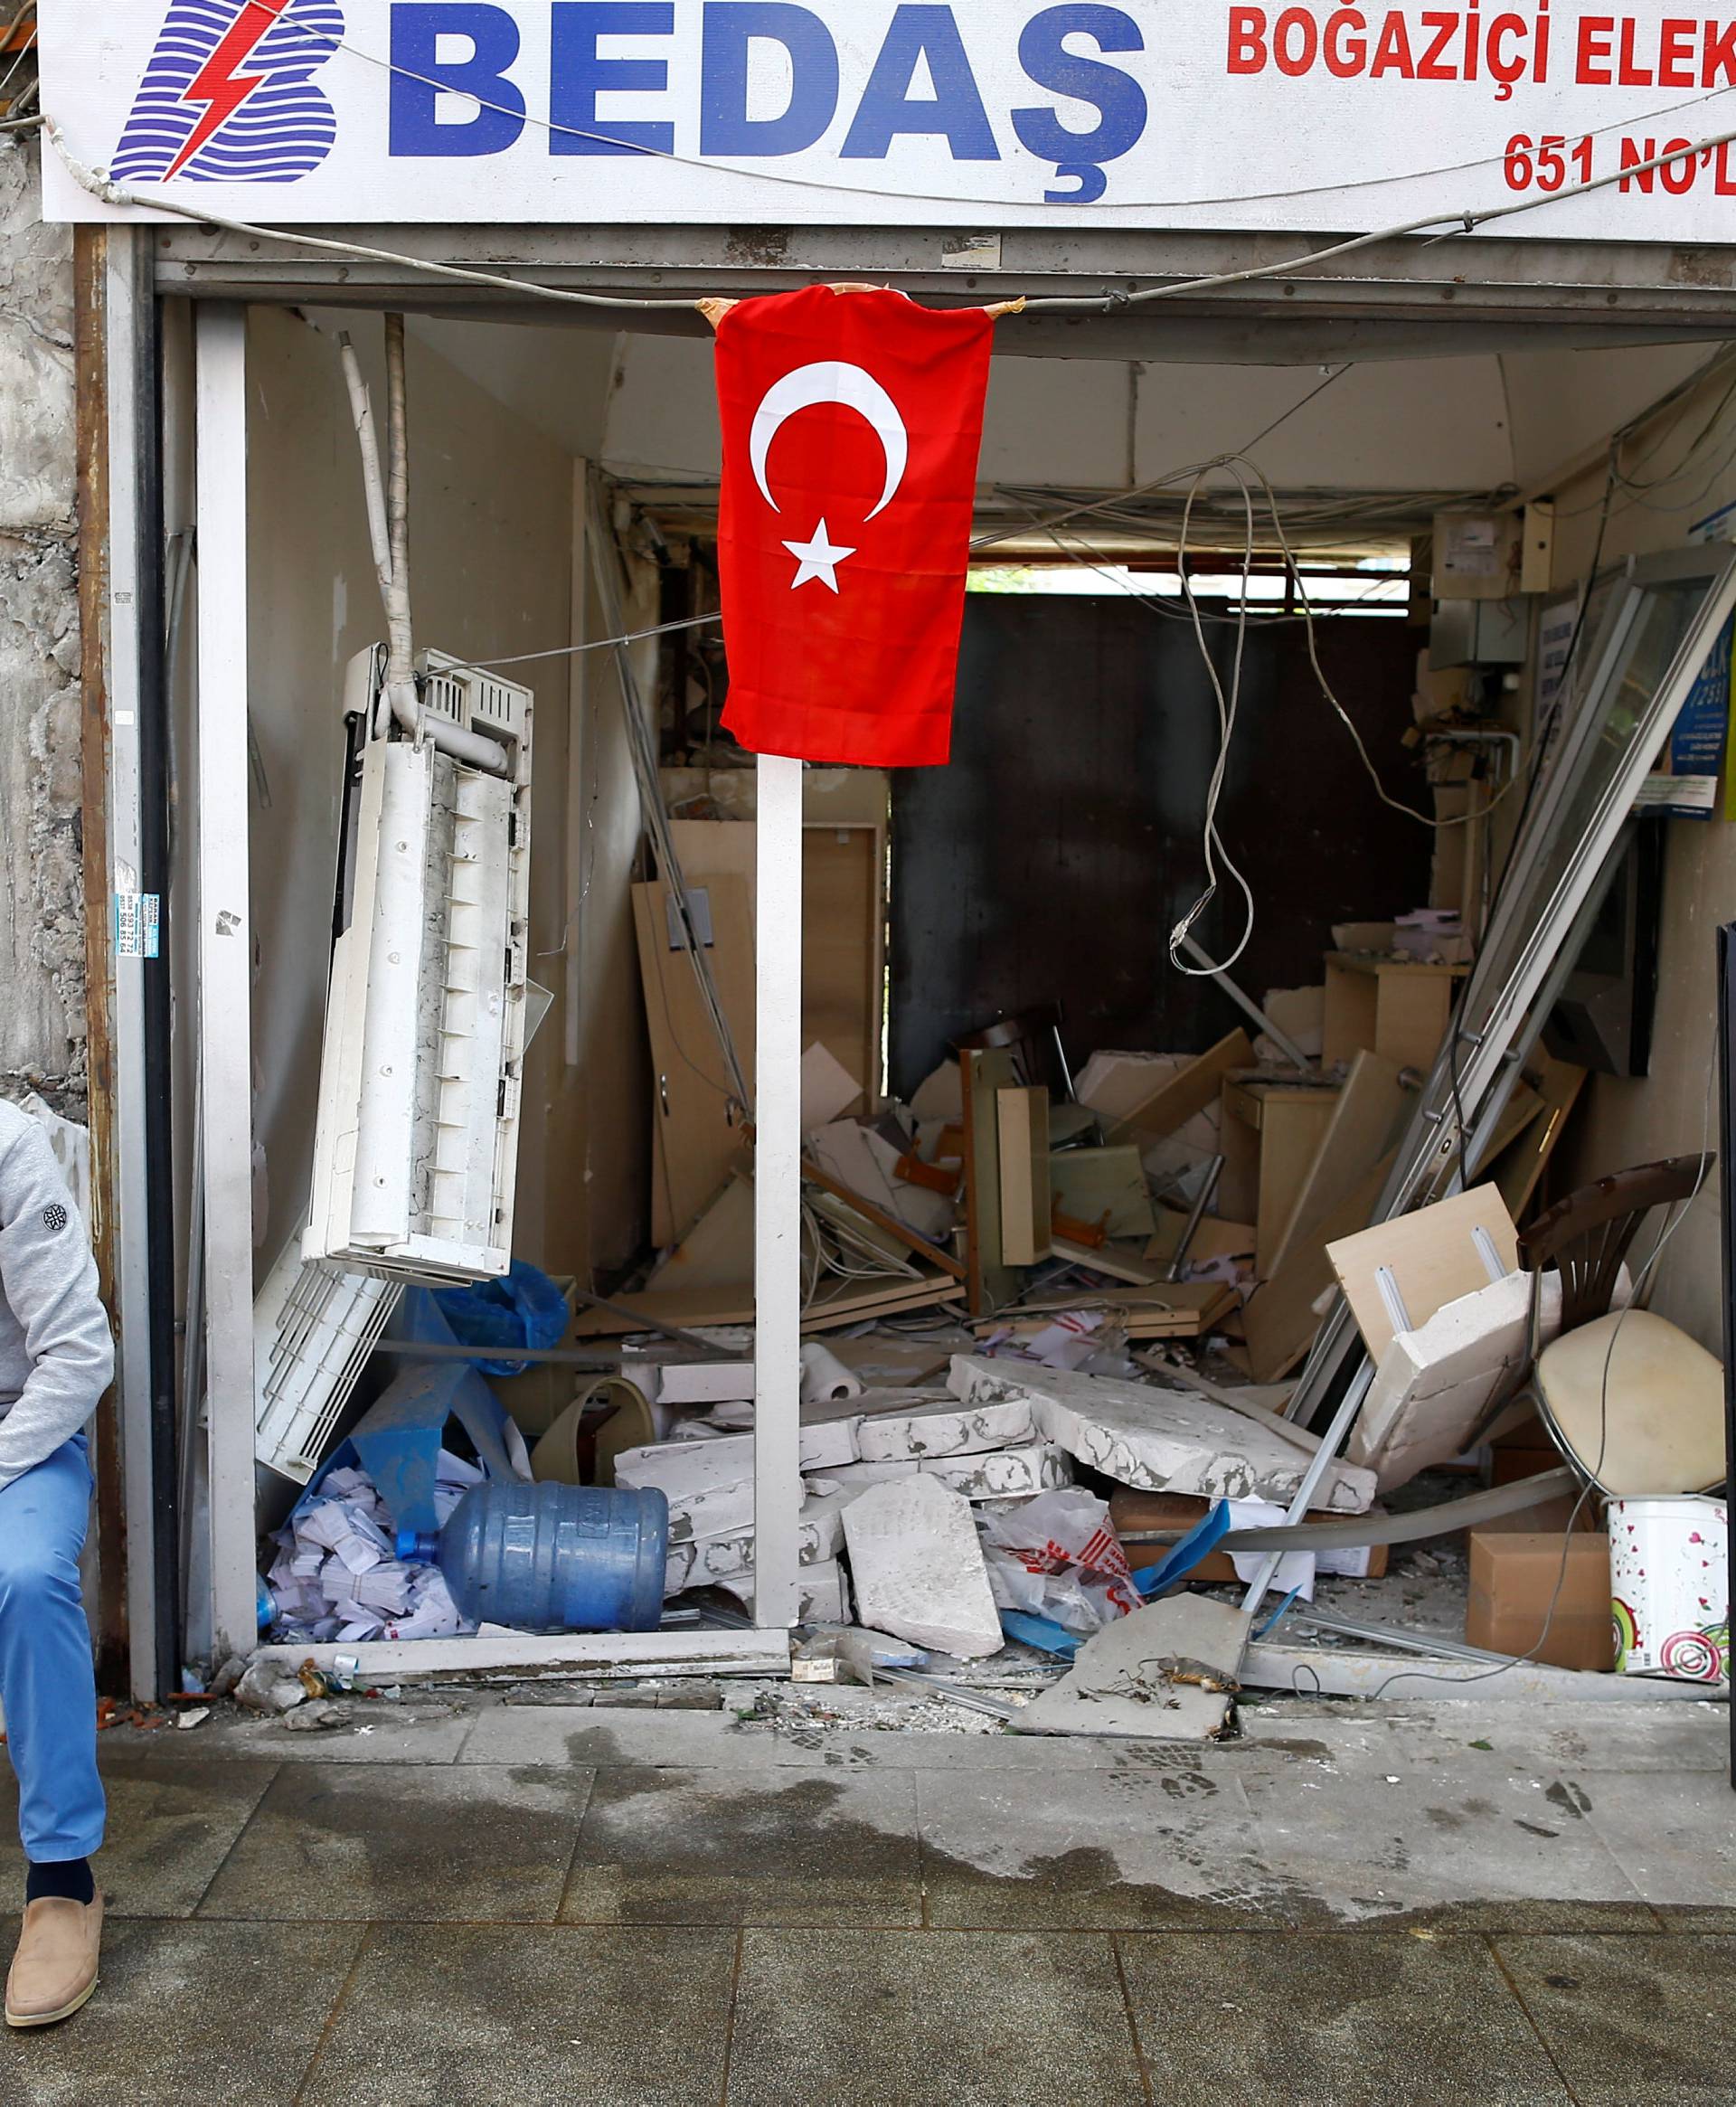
(1586, 1236)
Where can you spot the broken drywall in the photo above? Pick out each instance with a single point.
(918, 1567)
(1158, 1440)
(1436, 1385)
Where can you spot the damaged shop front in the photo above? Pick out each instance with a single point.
(1211, 1189)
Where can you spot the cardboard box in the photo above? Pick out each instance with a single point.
(1516, 1563)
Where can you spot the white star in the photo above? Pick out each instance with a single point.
(818, 558)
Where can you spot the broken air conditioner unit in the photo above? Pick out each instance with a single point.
(314, 1328)
(415, 1148)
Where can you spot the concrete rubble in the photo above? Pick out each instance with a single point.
(1167, 1672)
(919, 1569)
(1159, 1440)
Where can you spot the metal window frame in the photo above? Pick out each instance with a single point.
(224, 952)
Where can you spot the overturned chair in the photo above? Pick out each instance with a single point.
(1634, 1405)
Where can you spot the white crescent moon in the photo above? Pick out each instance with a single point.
(831, 381)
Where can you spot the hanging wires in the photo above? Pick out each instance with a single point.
(1229, 702)
(1445, 225)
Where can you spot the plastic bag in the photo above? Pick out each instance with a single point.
(1058, 1556)
(525, 1309)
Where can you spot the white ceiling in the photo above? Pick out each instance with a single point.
(645, 407)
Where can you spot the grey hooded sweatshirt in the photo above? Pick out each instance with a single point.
(57, 1355)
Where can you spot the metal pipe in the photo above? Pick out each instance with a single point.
(1286, 1045)
(1191, 1226)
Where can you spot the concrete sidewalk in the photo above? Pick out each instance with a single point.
(451, 1903)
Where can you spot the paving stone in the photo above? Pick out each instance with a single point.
(700, 1741)
(606, 1734)
(188, 2015)
(499, 2015)
(1674, 1837)
(721, 1847)
(1159, 1845)
(1633, 2023)
(1358, 2020)
(171, 1825)
(478, 1845)
(972, 2019)
(377, 1732)
(1470, 1849)
(1553, 1740)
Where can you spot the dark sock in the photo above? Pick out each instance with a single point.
(70, 1878)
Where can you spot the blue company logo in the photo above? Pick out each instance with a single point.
(228, 95)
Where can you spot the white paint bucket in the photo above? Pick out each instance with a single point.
(1671, 1586)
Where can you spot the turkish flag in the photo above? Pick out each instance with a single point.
(851, 424)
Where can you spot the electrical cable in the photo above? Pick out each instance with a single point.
(1450, 223)
(1228, 704)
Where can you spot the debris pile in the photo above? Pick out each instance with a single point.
(338, 1576)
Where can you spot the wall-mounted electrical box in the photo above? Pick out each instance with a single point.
(415, 1154)
(1479, 632)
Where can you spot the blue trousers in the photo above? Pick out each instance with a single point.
(47, 1681)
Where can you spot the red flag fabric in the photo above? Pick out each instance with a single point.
(851, 424)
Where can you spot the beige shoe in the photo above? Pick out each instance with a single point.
(55, 1970)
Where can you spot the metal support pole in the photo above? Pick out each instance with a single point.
(136, 881)
(777, 1189)
(1323, 1457)
(225, 946)
(1250, 1008)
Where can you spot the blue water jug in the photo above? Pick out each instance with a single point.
(552, 1557)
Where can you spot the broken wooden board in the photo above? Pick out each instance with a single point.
(1432, 1257)
(697, 1124)
(1105, 1186)
(1279, 1320)
(1213, 1238)
(1168, 1672)
(1522, 1106)
(1118, 1263)
(990, 1282)
(1158, 1440)
(1175, 1310)
(1269, 1135)
(1518, 1171)
(836, 1302)
(1398, 1007)
(1366, 1122)
(1174, 1102)
(708, 1259)
(1159, 1518)
(1022, 1130)
(888, 1223)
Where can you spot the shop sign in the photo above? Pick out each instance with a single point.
(980, 115)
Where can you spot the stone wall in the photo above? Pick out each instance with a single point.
(41, 910)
